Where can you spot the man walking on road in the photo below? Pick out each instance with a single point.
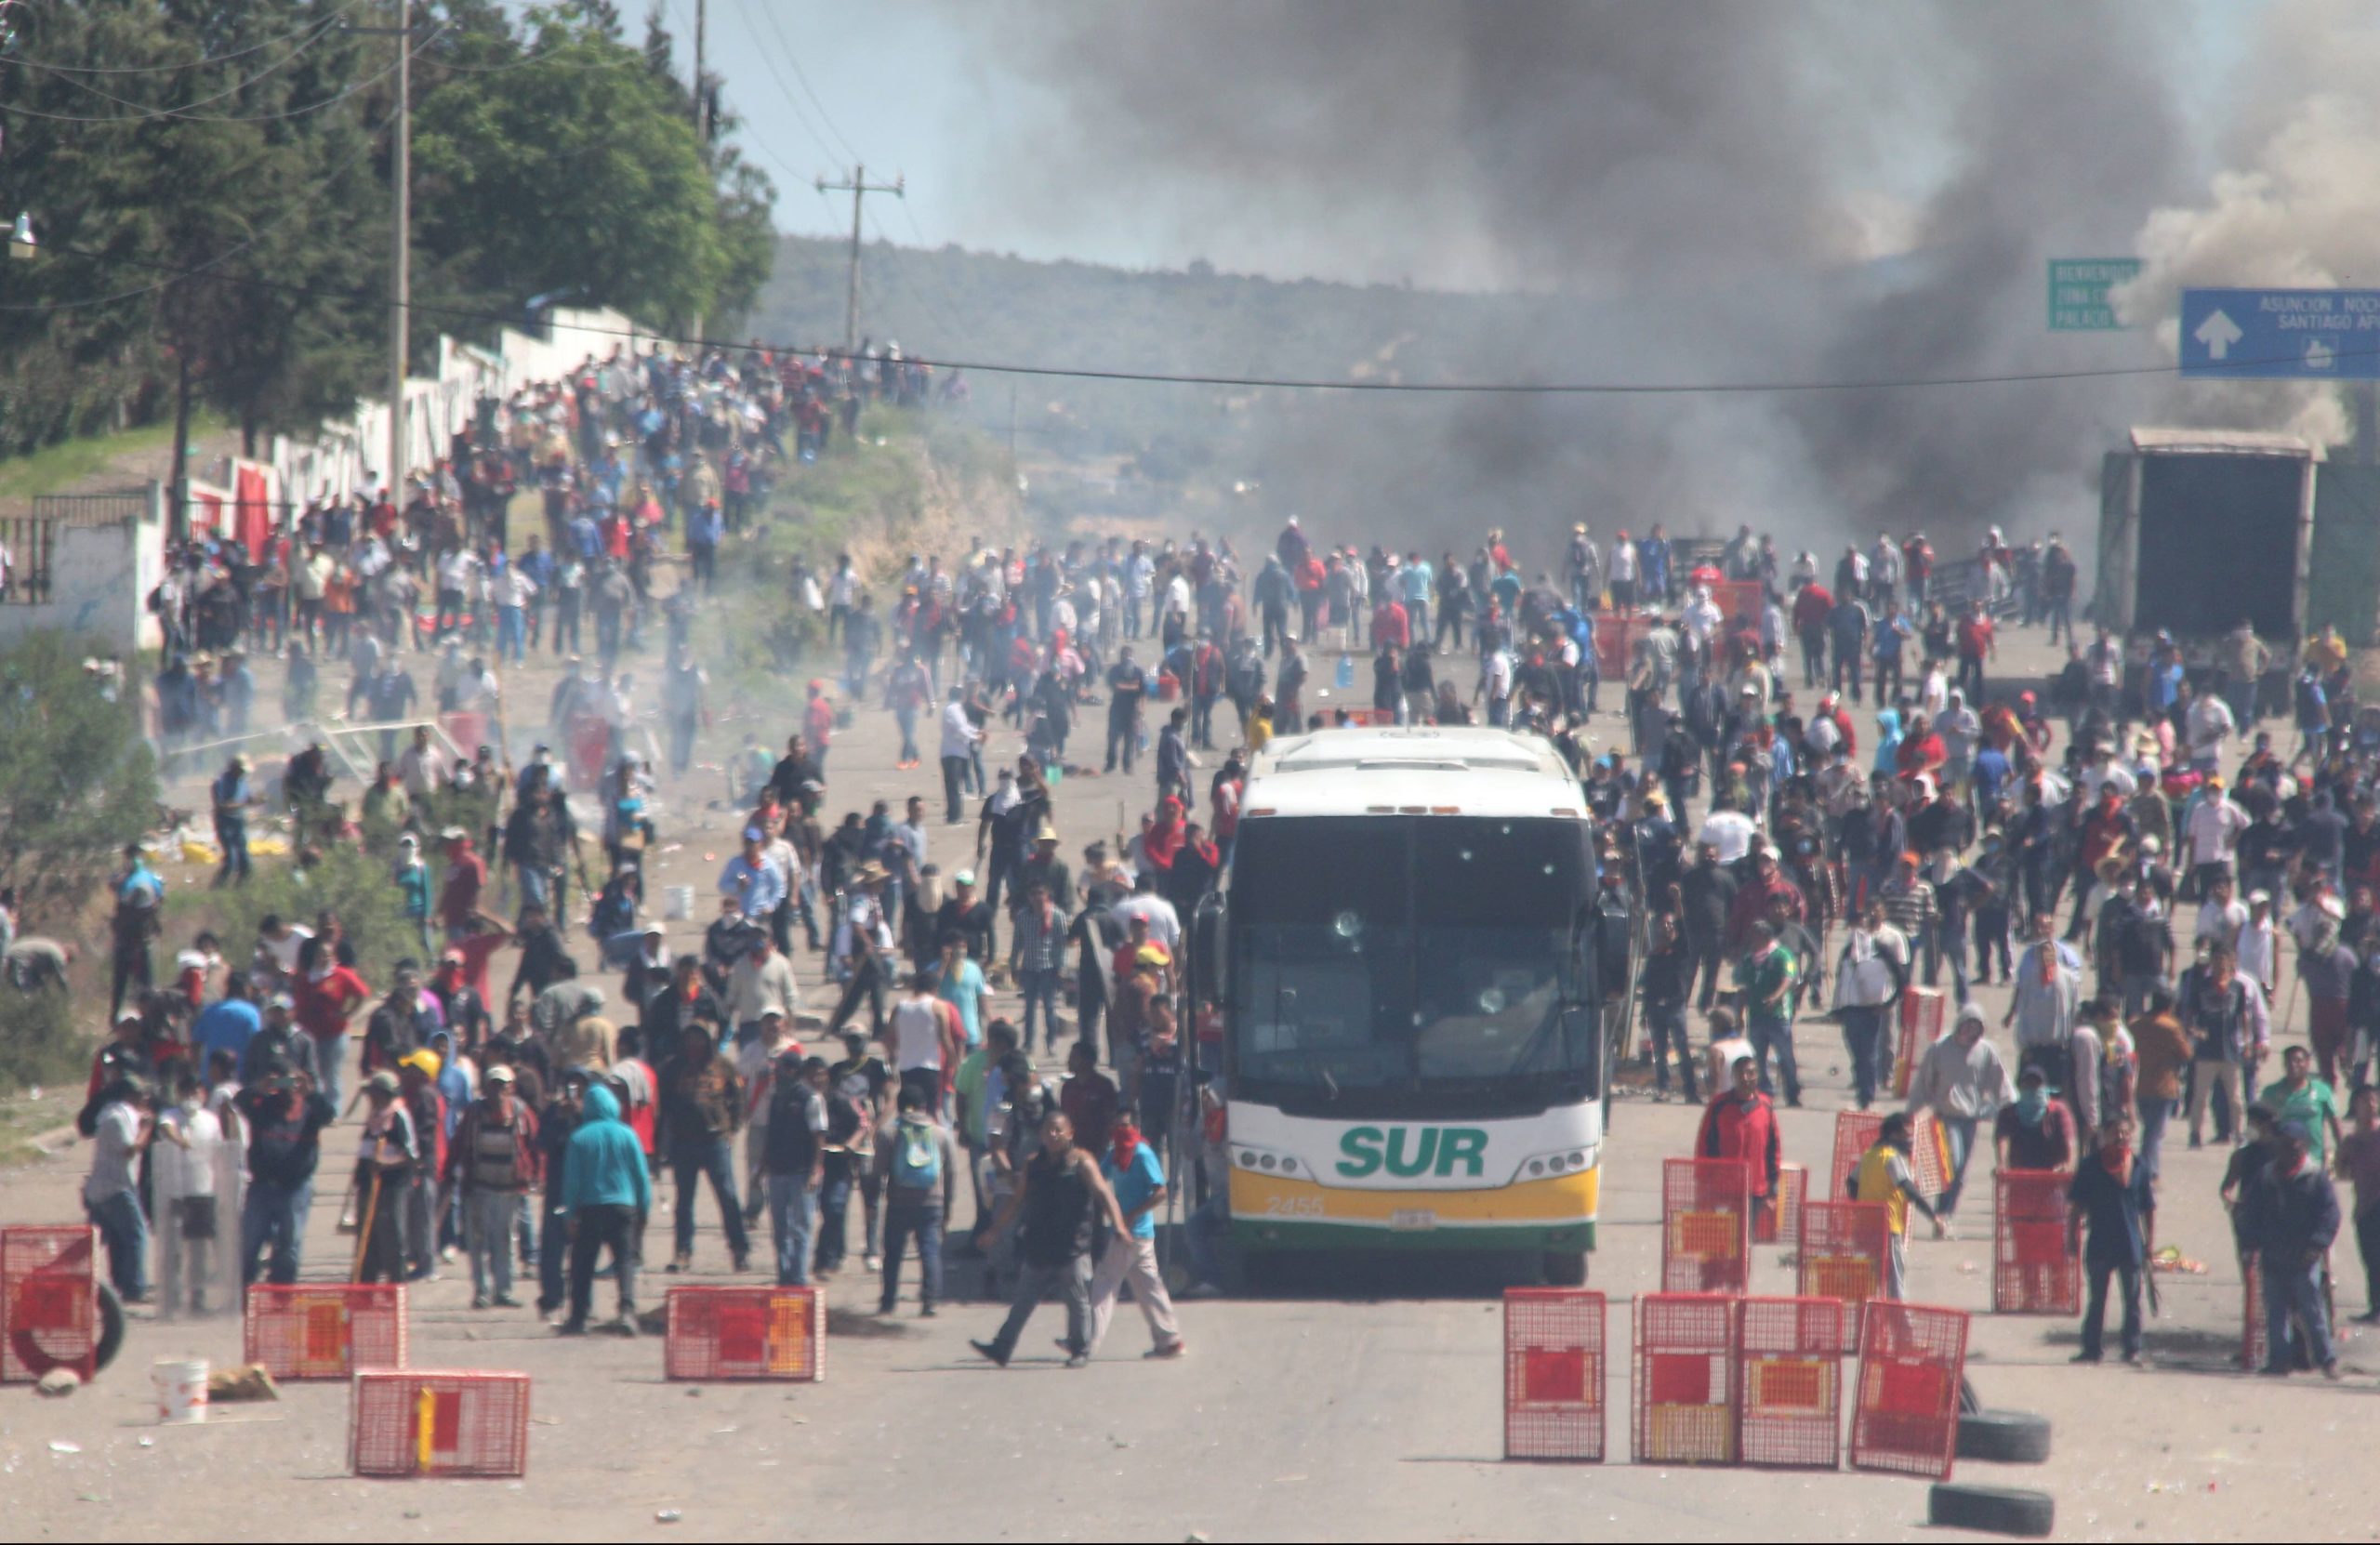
(1131, 1169)
(1740, 1124)
(1061, 1194)
(2288, 1216)
(959, 738)
(1884, 1175)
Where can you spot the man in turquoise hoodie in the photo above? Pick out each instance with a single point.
(605, 1196)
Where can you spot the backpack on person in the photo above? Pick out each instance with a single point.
(917, 1156)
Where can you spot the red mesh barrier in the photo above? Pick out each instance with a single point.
(1706, 1225)
(1929, 1151)
(2033, 1272)
(327, 1330)
(1921, 1026)
(1843, 1257)
(48, 1302)
(1788, 1359)
(1684, 1388)
(1905, 1419)
(1553, 1373)
(746, 1333)
(449, 1424)
(1780, 1223)
(1855, 1133)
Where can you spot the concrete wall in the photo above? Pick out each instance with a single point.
(101, 576)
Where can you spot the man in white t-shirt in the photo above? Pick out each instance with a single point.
(1729, 831)
(920, 1036)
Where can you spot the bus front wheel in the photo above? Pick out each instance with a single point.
(1566, 1268)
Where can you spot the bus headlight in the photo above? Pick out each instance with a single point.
(1562, 1161)
(1264, 1160)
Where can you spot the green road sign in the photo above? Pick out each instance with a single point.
(2078, 293)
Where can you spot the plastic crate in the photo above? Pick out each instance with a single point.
(1906, 1418)
(49, 1310)
(721, 1333)
(327, 1330)
(440, 1423)
(1706, 1226)
(1553, 1374)
(1780, 1223)
(1789, 1353)
(2034, 1270)
(1842, 1258)
(1685, 1385)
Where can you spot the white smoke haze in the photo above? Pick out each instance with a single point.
(2298, 206)
(1746, 191)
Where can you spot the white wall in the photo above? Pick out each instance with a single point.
(99, 578)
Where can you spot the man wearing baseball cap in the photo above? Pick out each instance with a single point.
(494, 1160)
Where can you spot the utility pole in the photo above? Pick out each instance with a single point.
(702, 27)
(400, 256)
(859, 187)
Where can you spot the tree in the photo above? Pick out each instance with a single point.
(577, 166)
(77, 780)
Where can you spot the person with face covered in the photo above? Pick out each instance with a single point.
(2115, 1194)
(1133, 1173)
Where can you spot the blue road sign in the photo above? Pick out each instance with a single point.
(2281, 334)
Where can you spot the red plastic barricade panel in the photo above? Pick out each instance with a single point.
(1780, 1223)
(1922, 1015)
(1906, 1418)
(1929, 1151)
(1616, 640)
(1553, 1373)
(1684, 1399)
(1855, 1133)
(49, 1310)
(746, 1333)
(1843, 1257)
(2033, 1272)
(436, 1422)
(1788, 1359)
(327, 1329)
(1706, 1226)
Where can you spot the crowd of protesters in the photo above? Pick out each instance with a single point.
(1771, 868)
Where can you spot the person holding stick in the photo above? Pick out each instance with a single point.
(384, 1167)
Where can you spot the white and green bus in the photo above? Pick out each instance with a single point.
(1403, 954)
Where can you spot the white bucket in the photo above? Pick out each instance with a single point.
(181, 1390)
(677, 902)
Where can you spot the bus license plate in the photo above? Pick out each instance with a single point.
(1405, 1220)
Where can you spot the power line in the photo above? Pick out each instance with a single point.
(793, 59)
(145, 114)
(53, 67)
(206, 270)
(152, 116)
(1286, 383)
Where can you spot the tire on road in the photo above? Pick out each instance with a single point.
(111, 1325)
(1566, 1268)
(1992, 1510)
(2004, 1437)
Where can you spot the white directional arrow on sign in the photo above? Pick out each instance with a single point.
(2218, 332)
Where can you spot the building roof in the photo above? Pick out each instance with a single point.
(1413, 772)
(2254, 442)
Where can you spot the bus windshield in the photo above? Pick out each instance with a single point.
(1379, 955)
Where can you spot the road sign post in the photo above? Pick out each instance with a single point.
(2078, 293)
(2281, 334)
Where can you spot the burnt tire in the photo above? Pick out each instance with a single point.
(1992, 1510)
(2004, 1437)
(111, 1325)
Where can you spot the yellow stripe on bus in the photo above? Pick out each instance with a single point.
(1560, 1199)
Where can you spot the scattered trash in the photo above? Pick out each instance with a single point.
(148, 1443)
(723, 1433)
(58, 1384)
(248, 1382)
(667, 1515)
(413, 1512)
(693, 1394)
(60, 1446)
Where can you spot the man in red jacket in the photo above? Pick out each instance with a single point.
(1741, 1125)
